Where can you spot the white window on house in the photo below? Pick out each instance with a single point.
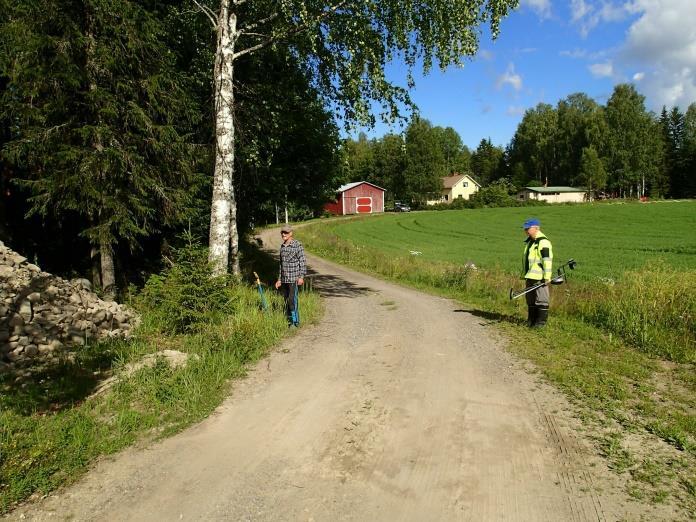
(466, 184)
(446, 197)
(460, 196)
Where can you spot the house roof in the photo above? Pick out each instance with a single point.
(349, 186)
(450, 181)
(551, 190)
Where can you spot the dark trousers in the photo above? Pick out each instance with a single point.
(537, 304)
(289, 291)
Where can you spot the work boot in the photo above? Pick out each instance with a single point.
(531, 315)
(541, 317)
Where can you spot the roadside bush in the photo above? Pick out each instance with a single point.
(494, 195)
(186, 296)
(457, 276)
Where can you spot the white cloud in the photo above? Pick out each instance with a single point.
(579, 10)
(589, 14)
(541, 7)
(515, 110)
(602, 70)
(510, 77)
(638, 76)
(486, 54)
(575, 53)
(663, 42)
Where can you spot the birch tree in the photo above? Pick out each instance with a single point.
(344, 45)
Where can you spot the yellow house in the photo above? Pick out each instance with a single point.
(456, 186)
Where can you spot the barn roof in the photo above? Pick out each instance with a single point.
(451, 181)
(349, 186)
(547, 190)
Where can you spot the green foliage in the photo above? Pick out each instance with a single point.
(347, 49)
(679, 139)
(104, 138)
(635, 148)
(487, 162)
(456, 154)
(534, 144)
(287, 141)
(389, 166)
(497, 194)
(186, 297)
(592, 174)
(425, 162)
(408, 167)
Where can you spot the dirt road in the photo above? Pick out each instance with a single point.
(397, 406)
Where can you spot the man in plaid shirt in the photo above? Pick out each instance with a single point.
(293, 268)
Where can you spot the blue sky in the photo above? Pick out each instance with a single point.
(548, 49)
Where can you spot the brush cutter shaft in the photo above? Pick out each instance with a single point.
(558, 280)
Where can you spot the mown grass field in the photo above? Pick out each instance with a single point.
(606, 239)
(621, 339)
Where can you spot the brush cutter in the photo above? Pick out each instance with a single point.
(558, 280)
(264, 303)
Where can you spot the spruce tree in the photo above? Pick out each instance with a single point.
(99, 117)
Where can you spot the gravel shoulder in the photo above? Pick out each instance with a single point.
(396, 406)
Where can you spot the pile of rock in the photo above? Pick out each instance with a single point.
(42, 316)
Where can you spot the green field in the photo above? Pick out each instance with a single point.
(605, 239)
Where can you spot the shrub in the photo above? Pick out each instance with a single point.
(186, 296)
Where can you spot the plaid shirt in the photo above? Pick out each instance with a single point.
(292, 262)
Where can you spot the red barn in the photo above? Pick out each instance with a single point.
(360, 197)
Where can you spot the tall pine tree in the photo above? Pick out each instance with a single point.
(98, 111)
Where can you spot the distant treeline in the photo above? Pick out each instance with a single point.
(619, 150)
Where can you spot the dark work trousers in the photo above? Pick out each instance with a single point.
(289, 291)
(537, 304)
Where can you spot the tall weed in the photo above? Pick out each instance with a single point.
(653, 309)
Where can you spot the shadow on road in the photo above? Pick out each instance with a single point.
(335, 286)
(492, 317)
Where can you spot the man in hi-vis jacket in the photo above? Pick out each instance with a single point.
(293, 268)
(538, 258)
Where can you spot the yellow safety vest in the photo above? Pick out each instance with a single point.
(538, 258)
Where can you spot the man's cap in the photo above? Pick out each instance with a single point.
(531, 222)
(286, 228)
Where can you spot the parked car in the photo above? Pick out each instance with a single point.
(401, 207)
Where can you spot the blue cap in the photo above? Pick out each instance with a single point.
(531, 222)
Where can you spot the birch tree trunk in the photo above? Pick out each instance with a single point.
(234, 236)
(223, 212)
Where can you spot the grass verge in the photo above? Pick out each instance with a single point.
(622, 352)
(52, 427)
